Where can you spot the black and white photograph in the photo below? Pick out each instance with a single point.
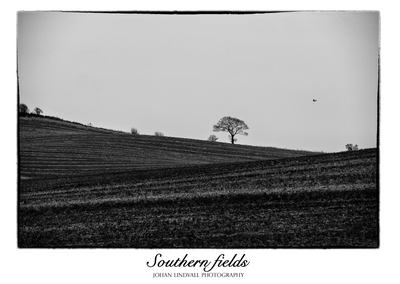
(198, 130)
(159, 144)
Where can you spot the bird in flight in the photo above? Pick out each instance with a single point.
(314, 100)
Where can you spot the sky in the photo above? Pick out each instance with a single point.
(179, 74)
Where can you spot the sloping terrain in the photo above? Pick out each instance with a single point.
(327, 200)
(51, 147)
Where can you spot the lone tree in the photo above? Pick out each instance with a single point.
(23, 108)
(351, 147)
(37, 111)
(212, 138)
(231, 125)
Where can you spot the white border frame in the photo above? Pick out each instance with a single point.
(266, 265)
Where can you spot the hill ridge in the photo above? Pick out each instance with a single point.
(53, 147)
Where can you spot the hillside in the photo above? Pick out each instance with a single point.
(50, 147)
(327, 200)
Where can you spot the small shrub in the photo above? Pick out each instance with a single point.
(37, 111)
(134, 131)
(212, 138)
(351, 147)
(157, 133)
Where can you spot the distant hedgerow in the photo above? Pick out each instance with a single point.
(158, 133)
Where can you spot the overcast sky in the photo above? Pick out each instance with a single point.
(179, 74)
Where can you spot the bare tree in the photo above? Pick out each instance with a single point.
(231, 125)
(37, 111)
(212, 138)
(134, 131)
(23, 108)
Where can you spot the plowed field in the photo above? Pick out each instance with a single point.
(55, 148)
(327, 200)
